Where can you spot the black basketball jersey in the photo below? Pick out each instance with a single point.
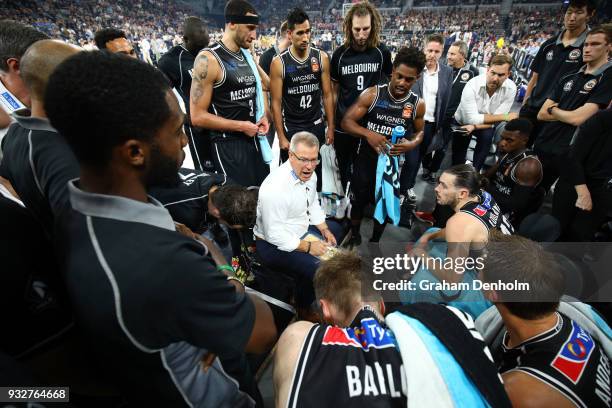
(177, 65)
(386, 112)
(356, 71)
(505, 180)
(358, 366)
(234, 96)
(567, 359)
(301, 88)
(488, 212)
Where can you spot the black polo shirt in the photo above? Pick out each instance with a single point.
(572, 92)
(265, 60)
(152, 304)
(552, 62)
(187, 202)
(38, 163)
(461, 76)
(177, 65)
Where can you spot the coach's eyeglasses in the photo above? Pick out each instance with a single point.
(302, 160)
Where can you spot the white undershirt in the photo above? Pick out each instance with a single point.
(430, 92)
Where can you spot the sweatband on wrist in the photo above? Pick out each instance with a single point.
(232, 18)
(225, 268)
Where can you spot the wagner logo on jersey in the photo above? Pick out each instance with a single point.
(573, 357)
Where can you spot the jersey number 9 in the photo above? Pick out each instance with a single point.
(360, 83)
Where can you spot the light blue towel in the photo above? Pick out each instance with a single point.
(266, 150)
(461, 388)
(387, 196)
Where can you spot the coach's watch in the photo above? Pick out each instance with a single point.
(550, 108)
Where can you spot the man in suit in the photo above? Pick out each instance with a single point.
(434, 87)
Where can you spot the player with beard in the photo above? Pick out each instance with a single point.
(177, 65)
(299, 82)
(224, 98)
(116, 235)
(361, 62)
(380, 109)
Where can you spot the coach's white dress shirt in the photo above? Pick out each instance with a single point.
(476, 102)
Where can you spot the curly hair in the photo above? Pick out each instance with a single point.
(363, 9)
(105, 35)
(411, 57)
(237, 205)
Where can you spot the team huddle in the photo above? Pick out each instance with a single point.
(184, 284)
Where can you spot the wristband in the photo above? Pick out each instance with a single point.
(225, 268)
(229, 278)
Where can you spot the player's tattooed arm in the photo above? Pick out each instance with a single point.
(200, 72)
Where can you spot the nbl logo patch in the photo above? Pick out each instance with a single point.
(480, 211)
(568, 86)
(574, 55)
(549, 55)
(590, 85)
(465, 76)
(573, 357)
(314, 64)
(407, 111)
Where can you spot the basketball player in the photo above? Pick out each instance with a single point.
(299, 81)
(177, 65)
(361, 62)
(224, 100)
(380, 109)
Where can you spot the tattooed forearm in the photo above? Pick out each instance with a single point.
(196, 92)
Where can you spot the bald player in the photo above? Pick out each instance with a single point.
(38, 163)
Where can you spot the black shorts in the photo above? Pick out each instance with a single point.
(318, 130)
(240, 159)
(363, 180)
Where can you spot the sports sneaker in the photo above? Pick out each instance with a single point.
(425, 217)
(406, 214)
(411, 195)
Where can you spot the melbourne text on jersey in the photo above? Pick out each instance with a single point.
(360, 68)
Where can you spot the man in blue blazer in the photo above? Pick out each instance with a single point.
(434, 87)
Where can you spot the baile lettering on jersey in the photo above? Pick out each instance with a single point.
(353, 366)
(302, 90)
(234, 96)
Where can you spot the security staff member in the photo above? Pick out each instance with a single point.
(299, 82)
(177, 65)
(575, 99)
(558, 56)
(361, 62)
(380, 109)
(463, 71)
(223, 98)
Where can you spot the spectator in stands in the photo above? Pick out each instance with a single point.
(38, 162)
(15, 38)
(287, 212)
(575, 98)
(583, 195)
(457, 57)
(177, 65)
(118, 235)
(348, 306)
(514, 179)
(557, 57)
(282, 43)
(115, 41)
(537, 337)
(434, 87)
(486, 101)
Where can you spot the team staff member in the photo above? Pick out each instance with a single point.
(361, 62)
(486, 101)
(177, 65)
(283, 42)
(115, 41)
(38, 163)
(514, 179)
(583, 195)
(299, 82)
(116, 235)
(434, 87)
(575, 99)
(380, 109)
(223, 98)
(15, 38)
(457, 58)
(545, 359)
(558, 56)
